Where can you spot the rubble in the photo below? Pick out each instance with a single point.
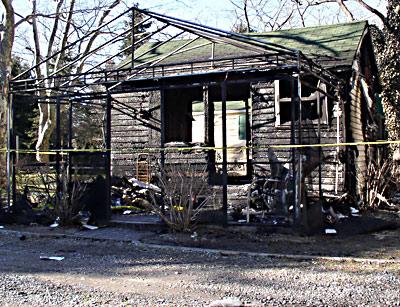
(330, 231)
(131, 196)
(56, 223)
(55, 258)
(89, 227)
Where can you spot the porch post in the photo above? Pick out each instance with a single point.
(209, 130)
(107, 207)
(70, 136)
(58, 148)
(293, 142)
(248, 138)
(13, 154)
(162, 144)
(296, 138)
(133, 38)
(224, 155)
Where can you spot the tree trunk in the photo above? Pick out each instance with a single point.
(390, 73)
(6, 42)
(46, 126)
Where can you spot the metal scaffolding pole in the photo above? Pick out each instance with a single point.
(224, 155)
(293, 142)
(107, 208)
(58, 153)
(162, 139)
(8, 153)
(13, 153)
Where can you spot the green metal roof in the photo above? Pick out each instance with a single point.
(339, 41)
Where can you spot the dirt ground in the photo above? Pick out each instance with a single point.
(125, 267)
(366, 237)
(100, 269)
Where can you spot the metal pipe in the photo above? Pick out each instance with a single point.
(156, 62)
(72, 44)
(70, 137)
(153, 48)
(248, 39)
(59, 190)
(17, 147)
(107, 208)
(13, 153)
(319, 148)
(293, 142)
(133, 38)
(337, 148)
(8, 154)
(84, 56)
(299, 205)
(212, 54)
(224, 154)
(111, 57)
(162, 127)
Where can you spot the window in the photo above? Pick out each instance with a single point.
(178, 113)
(314, 102)
(242, 127)
(186, 120)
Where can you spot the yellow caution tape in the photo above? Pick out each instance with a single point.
(172, 149)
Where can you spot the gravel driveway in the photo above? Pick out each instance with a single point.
(98, 273)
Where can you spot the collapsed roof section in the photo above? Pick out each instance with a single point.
(193, 49)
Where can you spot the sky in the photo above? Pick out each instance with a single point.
(215, 13)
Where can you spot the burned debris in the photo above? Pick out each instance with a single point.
(221, 127)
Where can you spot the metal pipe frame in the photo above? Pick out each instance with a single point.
(224, 154)
(249, 43)
(271, 61)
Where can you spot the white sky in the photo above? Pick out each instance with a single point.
(215, 13)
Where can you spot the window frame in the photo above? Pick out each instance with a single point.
(324, 119)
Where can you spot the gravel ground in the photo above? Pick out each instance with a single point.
(98, 273)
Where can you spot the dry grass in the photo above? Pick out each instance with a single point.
(69, 202)
(381, 178)
(182, 187)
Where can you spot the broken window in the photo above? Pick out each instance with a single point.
(313, 97)
(178, 113)
(185, 121)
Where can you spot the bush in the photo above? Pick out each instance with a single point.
(182, 187)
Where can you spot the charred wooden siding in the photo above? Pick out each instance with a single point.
(265, 134)
(131, 130)
(357, 131)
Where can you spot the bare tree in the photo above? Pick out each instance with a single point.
(262, 15)
(387, 43)
(59, 26)
(7, 30)
(389, 62)
(290, 12)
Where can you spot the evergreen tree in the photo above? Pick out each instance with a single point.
(141, 29)
(25, 112)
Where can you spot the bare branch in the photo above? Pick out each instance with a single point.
(96, 34)
(55, 28)
(36, 39)
(346, 10)
(65, 36)
(372, 10)
(246, 15)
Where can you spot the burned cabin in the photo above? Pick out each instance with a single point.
(260, 117)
